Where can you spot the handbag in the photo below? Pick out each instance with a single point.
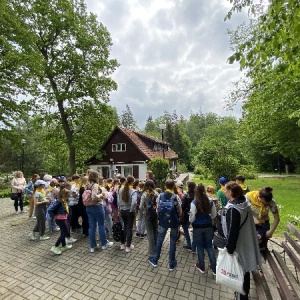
(219, 241)
(62, 217)
(14, 196)
(229, 272)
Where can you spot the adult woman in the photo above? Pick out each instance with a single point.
(127, 198)
(18, 184)
(148, 209)
(238, 224)
(262, 203)
(201, 214)
(96, 213)
(29, 193)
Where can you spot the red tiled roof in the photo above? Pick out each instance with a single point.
(137, 139)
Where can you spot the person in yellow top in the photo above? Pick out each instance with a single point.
(240, 180)
(262, 203)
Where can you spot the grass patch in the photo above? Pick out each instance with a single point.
(286, 194)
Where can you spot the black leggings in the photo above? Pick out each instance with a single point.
(19, 202)
(64, 232)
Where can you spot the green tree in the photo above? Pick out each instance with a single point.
(160, 169)
(63, 52)
(127, 120)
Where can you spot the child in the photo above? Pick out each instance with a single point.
(141, 224)
(51, 195)
(40, 202)
(60, 211)
(240, 180)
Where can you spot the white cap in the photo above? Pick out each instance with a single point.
(179, 183)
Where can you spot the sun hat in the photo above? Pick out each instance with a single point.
(179, 183)
(39, 182)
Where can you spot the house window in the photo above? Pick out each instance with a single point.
(127, 171)
(120, 147)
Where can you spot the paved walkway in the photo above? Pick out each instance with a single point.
(28, 270)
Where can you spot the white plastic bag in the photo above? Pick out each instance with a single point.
(229, 271)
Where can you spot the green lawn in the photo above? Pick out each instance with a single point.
(286, 192)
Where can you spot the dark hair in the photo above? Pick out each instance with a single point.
(135, 183)
(149, 186)
(170, 185)
(125, 193)
(236, 190)
(266, 194)
(240, 178)
(202, 201)
(62, 193)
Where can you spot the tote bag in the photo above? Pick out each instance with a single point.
(229, 271)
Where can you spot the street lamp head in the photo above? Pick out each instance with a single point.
(23, 142)
(162, 126)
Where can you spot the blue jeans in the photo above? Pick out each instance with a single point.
(185, 228)
(96, 215)
(202, 237)
(161, 236)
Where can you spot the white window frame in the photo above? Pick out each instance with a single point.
(119, 147)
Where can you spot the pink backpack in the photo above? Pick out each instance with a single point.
(87, 197)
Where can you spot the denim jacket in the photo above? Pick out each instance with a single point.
(29, 189)
(57, 209)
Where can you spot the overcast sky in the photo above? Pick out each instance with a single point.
(172, 53)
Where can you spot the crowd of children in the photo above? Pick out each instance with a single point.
(63, 205)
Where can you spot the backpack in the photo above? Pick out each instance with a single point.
(87, 197)
(117, 231)
(151, 210)
(167, 211)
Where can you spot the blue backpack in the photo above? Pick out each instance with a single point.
(167, 211)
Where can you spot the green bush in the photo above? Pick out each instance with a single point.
(160, 168)
(249, 171)
(181, 168)
(202, 170)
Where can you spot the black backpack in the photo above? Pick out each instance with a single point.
(151, 209)
(117, 231)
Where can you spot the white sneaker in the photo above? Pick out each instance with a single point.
(122, 247)
(70, 240)
(108, 245)
(128, 249)
(92, 250)
(55, 250)
(31, 236)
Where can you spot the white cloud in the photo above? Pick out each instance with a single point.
(172, 53)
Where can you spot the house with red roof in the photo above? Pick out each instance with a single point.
(127, 152)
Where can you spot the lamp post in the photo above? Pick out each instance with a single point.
(23, 142)
(162, 128)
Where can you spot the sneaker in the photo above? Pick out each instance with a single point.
(32, 236)
(200, 269)
(67, 247)
(22, 212)
(213, 270)
(143, 235)
(17, 212)
(138, 234)
(92, 250)
(57, 228)
(122, 247)
(44, 238)
(128, 249)
(108, 245)
(193, 251)
(173, 267)
(70, 240)
(152, 263)
(56, 250)
(187, 248)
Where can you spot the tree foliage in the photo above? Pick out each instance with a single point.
(61, 62)
(160, 169)
(127, 120)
